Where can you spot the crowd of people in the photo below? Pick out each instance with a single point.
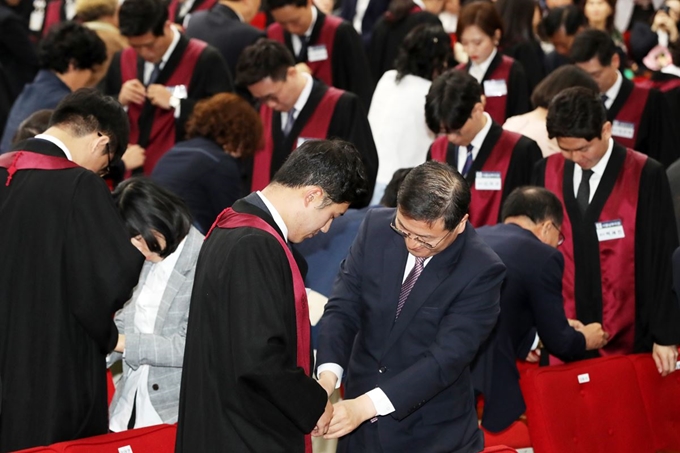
(495, 182)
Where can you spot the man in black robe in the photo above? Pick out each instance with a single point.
(246, 385)
(619, 231)
(295, 108)
(640, 116)
(66, 266)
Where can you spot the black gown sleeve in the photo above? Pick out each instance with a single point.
(658, 136)
(518, 92)
(350, 64)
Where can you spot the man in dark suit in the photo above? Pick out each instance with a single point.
(415, 298)
(531, 300)
(246, 383)
(226, 26)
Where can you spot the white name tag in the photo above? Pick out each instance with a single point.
(300, 141)
(612, 229)
(179, 91)
(317, 53)
(495, 88)
(583, 378)
(125, 449)
(623, 129)
(488, 180)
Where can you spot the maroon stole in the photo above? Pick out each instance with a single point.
(617, 257)
(174, 5)
(485, 204)
(52, 15)
(662, 85)
(323, 69)
(162, 136)
(28, 160)
(230, 219)
(631, 113)
(496, 105)
(316, 127)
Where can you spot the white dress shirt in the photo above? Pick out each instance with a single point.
(137, 383)
(148, 67)
(479, 70)
(359, 13)
(598, 171)
(476, 144)
(301, 100)
(295, 39)
(275, 215)
(57, 142)
(613, 91)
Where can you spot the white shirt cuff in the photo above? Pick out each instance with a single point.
(382, 403)
(535, 343)
(333, 368)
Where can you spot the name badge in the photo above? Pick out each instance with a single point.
(495, 88)
(612, 229)
(317, 53)
(301, 140)
(623, 129)
(488, 180)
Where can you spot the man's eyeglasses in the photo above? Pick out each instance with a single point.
(406, 235)
(560, 239)
(106, 170)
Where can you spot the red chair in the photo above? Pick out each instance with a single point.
(588, 406)
(38, 450)
(110, 386)
(515, 436)
(499, 449)
(154, 439)
(661, 396)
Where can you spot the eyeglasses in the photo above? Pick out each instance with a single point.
(560, 239)
(106, 170)
(273, 96)
(406, 235)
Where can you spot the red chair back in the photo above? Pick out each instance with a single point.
(154, 439)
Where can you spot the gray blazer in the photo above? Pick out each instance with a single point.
(164, 349)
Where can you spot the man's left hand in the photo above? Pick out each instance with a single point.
(159, 96)
(349, 414)
(665, 357)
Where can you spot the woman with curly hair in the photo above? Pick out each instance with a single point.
(206, 170)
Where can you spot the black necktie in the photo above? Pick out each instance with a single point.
(304, 44)
(583, 194)
(154, 74)
(468, 160)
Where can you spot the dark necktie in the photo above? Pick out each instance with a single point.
(407, 286)
(289, 122)
(304, 44)
(468, 160)
(583, 194)
(604, 98)
(154, 74)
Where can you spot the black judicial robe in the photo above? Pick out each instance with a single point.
(210, 76)
(66, 266)
(349, 64)
(657, 313)
(656, 133)
(242, 390)
(349, 122)
(387, 38)
(525, 154)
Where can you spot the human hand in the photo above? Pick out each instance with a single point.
(575, 323)
(133, 157)
(158, 95)
(328, 380)
(596, 338)
(666, 358)
(132, 91)
(321, 427)
(534, 356)
(120, 346)
(349, 414)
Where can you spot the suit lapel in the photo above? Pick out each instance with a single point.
(394, 262)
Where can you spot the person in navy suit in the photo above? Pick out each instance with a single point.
(531, 299)
(415, 298)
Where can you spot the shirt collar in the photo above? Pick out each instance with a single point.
(57, 142)
(481, 135)
(614, 90)
(315, 15)
(275, 215)
(171, 47)
(484, 65)
(304, 95)
(420, 4)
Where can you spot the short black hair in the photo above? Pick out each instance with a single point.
(139, 17)
(433, 191)
(35, 124)
(87, 110)
(593, 43)
(71, 43)
(570, 17)
(576, 112)
(450, 101)
(536, 203)
(424, 52)
(265, 58)
(564, 77)
(389, 198)
(271, 5)
(333, 165)
(146, 207)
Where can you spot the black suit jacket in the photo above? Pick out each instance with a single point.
(531, 298)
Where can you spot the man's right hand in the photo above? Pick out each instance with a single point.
(133, 157)
(132, 91)
(596, 338)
